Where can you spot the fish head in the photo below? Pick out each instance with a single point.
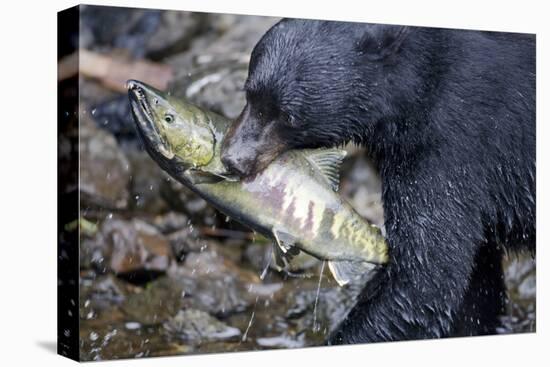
(171, 129)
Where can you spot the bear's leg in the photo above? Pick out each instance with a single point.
(420, 293)
(485, 299)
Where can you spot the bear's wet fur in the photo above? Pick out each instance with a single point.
(448, 117)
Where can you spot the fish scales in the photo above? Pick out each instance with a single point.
(293, 201)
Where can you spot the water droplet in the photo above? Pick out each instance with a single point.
(93, 336)
(316, 327)
(94, 111)
(248, 327)
(132, 325)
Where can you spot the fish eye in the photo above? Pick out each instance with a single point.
(168, 118)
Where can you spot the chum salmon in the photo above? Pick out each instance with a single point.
(294, 201)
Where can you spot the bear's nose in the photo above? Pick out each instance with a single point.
(235, 165)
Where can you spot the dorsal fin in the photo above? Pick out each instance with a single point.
(328, 161)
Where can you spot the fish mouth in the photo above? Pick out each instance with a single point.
(143, 116)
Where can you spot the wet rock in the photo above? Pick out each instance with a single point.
(232, 39)
(92, 254)
(156, 303)
(215, 284)
(282, 341)
(527, 289)
(214, 70)
(258, 255)
(320, 311)
(140, 246)
(114, 114)
(175, 33)
(229, 249)
(132, 325)
(171, 222)
(181, 199)
(145, 184)
(104, 169)
(93, 94)
(160, 300)
(98, 295)
(218, 295)
(198, 326)
(265, 290)
(147, 33)
(113, 340)
(361, 186)
(129, 246)
(219, 90)
(208, 282)
(104, 28)
(520, 279)
(212, 262)
(184, 241)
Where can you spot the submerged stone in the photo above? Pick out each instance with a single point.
(198, 326)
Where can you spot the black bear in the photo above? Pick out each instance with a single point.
(448, 117)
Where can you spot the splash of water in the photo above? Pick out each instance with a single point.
(266, 267)
(316, 327)
(245, 335)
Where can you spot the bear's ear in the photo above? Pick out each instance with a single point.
(380, 41)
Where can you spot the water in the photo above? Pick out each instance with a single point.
(267, 265)
(315, 325)
(248, 327)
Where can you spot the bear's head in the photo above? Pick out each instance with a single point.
(313, 84)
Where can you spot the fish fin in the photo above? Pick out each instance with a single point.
(328, 162)
(285, 242)
(281, 261)
(223, 176)
(345, 271)
(197, 176)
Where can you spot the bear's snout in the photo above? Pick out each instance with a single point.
(235, 165)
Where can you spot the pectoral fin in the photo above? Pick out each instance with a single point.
(280, 258)
(225, 176)
(286, 242)
(197, 176)
(345, 272)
